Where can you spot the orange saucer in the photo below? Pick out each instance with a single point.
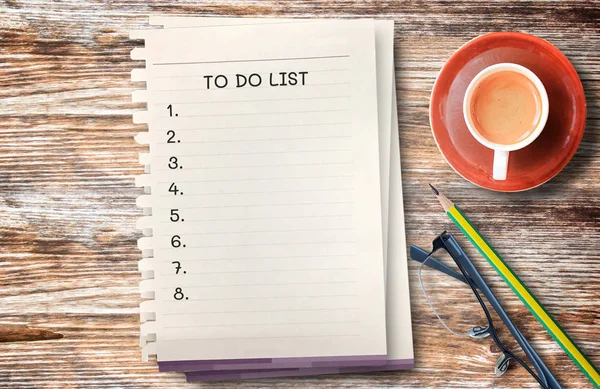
(550, 152)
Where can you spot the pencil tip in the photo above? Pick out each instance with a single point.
(437, 193)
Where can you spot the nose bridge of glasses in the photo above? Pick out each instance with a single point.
(440, 241)
(420, 255)
(448, 241)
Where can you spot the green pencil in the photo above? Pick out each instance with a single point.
(524, 294)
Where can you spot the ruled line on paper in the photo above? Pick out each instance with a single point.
(287, 226)
(233, 74)
(263, 311)
(196, 194)
(258, 87)
(265, 205)
(256, 232)
(270, 139)
(263, 166)
(262, 179)
(243, 141)
(253, 113)
(257, 152)
(250, 100)
(266, 337)
(280, 179)
(263, 126)
(321, 216)
(272, 22)
(259, 244)
(258, 297)
(259, 192)
(262, 271)
(270, 324)
(254, 192)
(266, 284)
(273, 257)
(252, 60)
(263, 192)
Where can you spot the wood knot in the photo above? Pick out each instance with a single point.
(22, 333)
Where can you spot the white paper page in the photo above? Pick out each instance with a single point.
(384, 40)
(399, 326)
(276, 259)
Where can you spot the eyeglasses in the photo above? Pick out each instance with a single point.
(458, 315)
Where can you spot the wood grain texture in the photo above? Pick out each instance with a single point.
(68, 256)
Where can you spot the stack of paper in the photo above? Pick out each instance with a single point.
(273, 198)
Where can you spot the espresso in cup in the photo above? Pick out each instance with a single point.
(506, 107)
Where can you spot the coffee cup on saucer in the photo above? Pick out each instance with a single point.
(505, 108)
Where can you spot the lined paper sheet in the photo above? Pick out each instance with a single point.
(399, 331)
(267, 195)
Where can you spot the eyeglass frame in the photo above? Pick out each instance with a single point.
(471, 276)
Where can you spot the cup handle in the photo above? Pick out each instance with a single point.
(500, 165)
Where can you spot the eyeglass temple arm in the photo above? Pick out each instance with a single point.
(420, 255)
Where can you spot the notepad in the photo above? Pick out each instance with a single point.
(266, 204)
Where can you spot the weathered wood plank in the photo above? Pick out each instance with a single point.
(67, 200)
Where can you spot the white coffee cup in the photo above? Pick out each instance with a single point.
(501, 151)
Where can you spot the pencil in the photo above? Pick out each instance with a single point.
(524, 294)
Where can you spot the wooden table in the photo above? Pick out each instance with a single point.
(68, 255)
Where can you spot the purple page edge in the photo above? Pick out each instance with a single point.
(201, 376)
(266, 363)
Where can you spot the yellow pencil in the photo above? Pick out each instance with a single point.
(524, 294)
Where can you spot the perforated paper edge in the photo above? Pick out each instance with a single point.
(144, 224)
